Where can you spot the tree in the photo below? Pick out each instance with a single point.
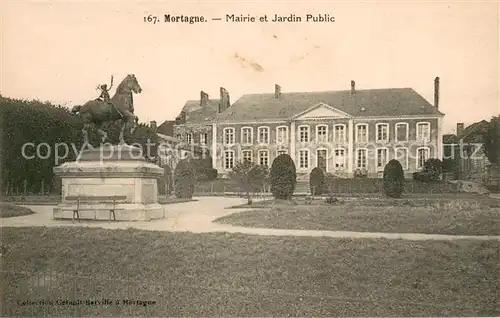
(283, 177)
(249, 176)
(317, 181)
(184, 178)
(393, 179)
(491, 140)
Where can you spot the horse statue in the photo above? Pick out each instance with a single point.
(103, 112)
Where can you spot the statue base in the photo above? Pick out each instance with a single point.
(110, 171)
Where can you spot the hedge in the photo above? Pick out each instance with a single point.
(36, 124)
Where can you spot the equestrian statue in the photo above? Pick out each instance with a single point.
(105, 110)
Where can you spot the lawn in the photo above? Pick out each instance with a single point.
(171, 200)
(32, 199)
(467, 215)
(56, 199)
(237, 275)
(8, 210)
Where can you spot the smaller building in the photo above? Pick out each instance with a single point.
(466, 149)
(171, 150)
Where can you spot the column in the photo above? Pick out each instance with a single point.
(214, 146)
(292, 142)
(350, 150)
(439, 142)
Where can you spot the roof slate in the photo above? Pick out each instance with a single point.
(167, 128)
(197, 114)
(474, 132)
(376, 102)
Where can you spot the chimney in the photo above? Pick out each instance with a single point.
(460, 129)
(436, 92)
(203, 98)
(224, 100)
(277, 91)
(353, 87)
(152, 125)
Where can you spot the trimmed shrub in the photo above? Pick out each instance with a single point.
(203, 169)
(168, 180)
(283, 177)
(434, 167)
(317, 182)
(332, 200)
(212, 174)
(184, 178)
(432, 171)
(394, 179)
(330, 182)
(360, 174)
(422, 176)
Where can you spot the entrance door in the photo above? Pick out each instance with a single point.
(321, 159)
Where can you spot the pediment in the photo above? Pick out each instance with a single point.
(322, 110)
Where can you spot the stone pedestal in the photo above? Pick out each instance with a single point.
(108, 171)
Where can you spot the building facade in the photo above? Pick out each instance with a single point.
(344, 132)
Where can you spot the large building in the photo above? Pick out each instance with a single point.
(347, 133)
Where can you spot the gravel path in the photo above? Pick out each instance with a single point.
(197, 217)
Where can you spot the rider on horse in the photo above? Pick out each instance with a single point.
(104, 96)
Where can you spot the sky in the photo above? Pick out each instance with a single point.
(59, 51)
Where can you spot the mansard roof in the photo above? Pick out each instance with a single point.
(197, 114)
(397, 102)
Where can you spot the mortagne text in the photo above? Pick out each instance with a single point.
(184, 18)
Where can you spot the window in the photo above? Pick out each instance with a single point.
(203, 138)
(401, 133)
(382, 158)
(304, 133)
(401, 155)
(228, 159)
(281, 152)
(264, 157)
(281, 134)
(264, 135)
(247, 155)
(339, 158)
(422, 155)
(246, 135)
(189, 138)
(382, 132)
(304, 159)
(339, 133)
(179, 136)
(361, 155)
(362, 133)
(322, 133)
(423, 131)
(228, 136)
